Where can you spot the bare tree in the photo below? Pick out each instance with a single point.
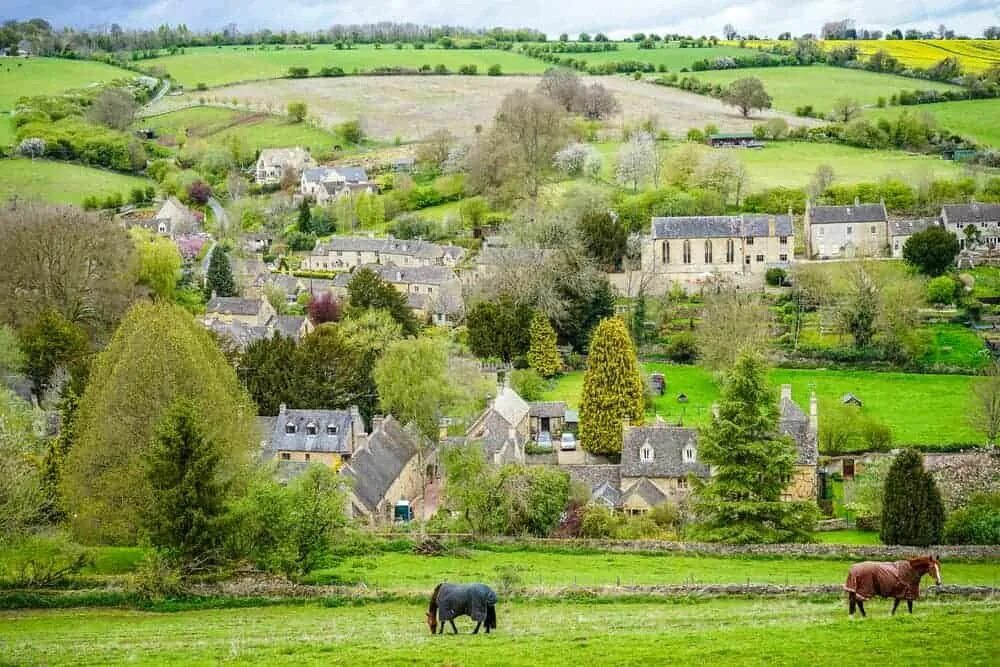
(729, 31)
(561, 84)
(595, 102)
(723, 172)
(435, 148)
(984, 414)
(532, 127)
(846, 108)
(114, 107)
(822, 179)
(731, 322)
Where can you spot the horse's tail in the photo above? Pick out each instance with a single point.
(432, 609)
(491, 617)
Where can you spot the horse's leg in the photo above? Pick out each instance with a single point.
(854, 603)
(454, 629)
(861, 608)
(909, 606)
(441, 627)
(894, 605)
(476, 631)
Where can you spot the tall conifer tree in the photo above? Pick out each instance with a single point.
(612, 388)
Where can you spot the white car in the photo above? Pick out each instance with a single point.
(568, 441)
(544, 440)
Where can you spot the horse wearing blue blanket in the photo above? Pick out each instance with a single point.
(477, 601)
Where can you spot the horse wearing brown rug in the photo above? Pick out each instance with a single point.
(448, 601)
(899, 580)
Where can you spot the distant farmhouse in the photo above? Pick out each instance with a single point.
(324, 184)
(858, 230)
(693, 251)
(172, 219)
(274, 162)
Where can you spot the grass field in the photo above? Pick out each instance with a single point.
(977, 119)
(821, 85)
(848, 537)
(732, 632)
(229, 64)
(669, 54)
(7, 135)
(61, 182)
(45, 76)
(215, 125)
(910, 419)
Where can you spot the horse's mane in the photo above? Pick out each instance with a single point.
(921, 563)
(432, 609)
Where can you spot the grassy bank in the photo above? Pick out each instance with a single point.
(61, 182)
(977, 119)
(47, 76)
(774, 632)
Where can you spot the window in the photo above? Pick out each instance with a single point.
(873, 230)
(289, 428)
(708, 252)
(682, 483)
(689, 455)
(760, 258)
(307, 456)
(783, 258)
(850, 230)
(285, 456)
(310, 429)
(331, 429)
(730, 251)
(747, 261)
(665, 252)
(819, 232)
(687, 252)
(783, 240)
(646, 454)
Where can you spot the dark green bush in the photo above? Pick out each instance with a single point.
(976, 523)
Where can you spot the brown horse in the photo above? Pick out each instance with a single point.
(899, 580)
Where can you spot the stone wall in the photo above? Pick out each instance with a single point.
(959, 476)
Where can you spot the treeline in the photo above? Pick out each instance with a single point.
(46, 41)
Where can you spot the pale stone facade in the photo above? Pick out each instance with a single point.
(272, 163)
(834, 232)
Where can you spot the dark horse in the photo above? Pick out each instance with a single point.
(477, 601)
(899, 580)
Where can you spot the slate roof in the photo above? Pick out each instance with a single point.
(289, 325)
(239, 332)
(909, 227)
(393, 246)
(794, 422)
(858, 213)
(608, 494)
(233, 305)
(547, 409)
(323, 441)
(646, 490)
(668, 443)
(378, 463)
(510, 406)
(720, 226)
(974, 212)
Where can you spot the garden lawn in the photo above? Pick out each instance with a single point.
(821, 85)
(537, 633)
(955, 345)
(976, 119)
(230, 64)
(987, 281)
(921, 409)
(848, 537)
(46, 76)
(61, 182)
(670, 55)
(216, 125)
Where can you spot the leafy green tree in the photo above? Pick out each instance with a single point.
(931, 251)
(543, 356)
(371, 332)
(499, 328)
(370, 210)
(912, 511)
(612, 388)
(747, 94)
(751, 464)
(413, 383)
(304, 222)
(329, 370)
(49, 343)
(219, 280)
(471, 488)
(159, 262)
(367, 290)
(22, 494)
(297, 111)
(528, 384)
(268, 369)
(158, 355)
(185, 518)
(941, 290)
(604, 237)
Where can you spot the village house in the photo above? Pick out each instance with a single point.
(272, 164)
(387, 470)
(343, 253)
(245, 320)
(324, 184)
(699, 250)
(900, 232)
(503, 429)
(976, 220)
(433, 292)
(329, 437)
(858, 230)
(171, 219)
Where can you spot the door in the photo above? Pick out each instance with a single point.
(848, 468)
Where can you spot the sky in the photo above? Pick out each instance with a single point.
(618, 19)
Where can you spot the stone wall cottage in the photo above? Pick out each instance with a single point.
(329, 437)
(272, 163)
(344, 253)
(900, 232)
(983, 218)
(858, 230)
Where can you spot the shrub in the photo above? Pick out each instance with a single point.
(912, 512)
(775, 276)
(351, 131)
(298, 72)
(941, 290)
(494, 70)
(156, 578)
(976, 523)
(683, 347)
(41, 562)
(468, 70)
(528, 383)
(598, 522)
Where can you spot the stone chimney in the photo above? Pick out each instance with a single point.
(857, 200)
(786, 392)
(813, 414)
(377, 422)
(357, 428)
(770, 226)
(282, 408)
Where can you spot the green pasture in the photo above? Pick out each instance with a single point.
(61, 182)
(976, 119)
(538, 633)
(821, 85)
(230, 64)
(216, 125)
(921, 409)
(46, 76)
(669, 54)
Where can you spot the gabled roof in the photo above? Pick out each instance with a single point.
(607, 494)
(338, 442)
(646, 490)
(233, 305)
(909, 227)
(510, 406)
(668, 444)
(547, 408)
(378, 463)
(721, 226)
(241, 333)
(856, 213)
(289, 325)
(795, 423)
(968, 213)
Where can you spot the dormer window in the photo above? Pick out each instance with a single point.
(310, 429)
(689, 454)
(290, 428)
(331, 429)
(646, 454)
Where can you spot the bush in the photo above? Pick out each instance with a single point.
(156, 578)
(683, 347)
(41, 562)
(528, 383)
(598, 522)
(775, 276)
(912, 511)
(351, 131)
(976, 523)
(298, 72)
(468, 70)
(494, 70)
(941, 290)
